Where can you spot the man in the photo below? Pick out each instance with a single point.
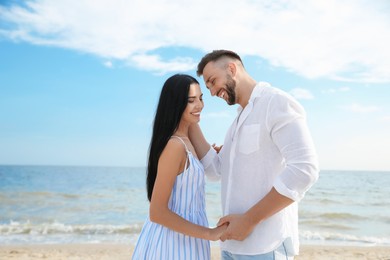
(266, 164)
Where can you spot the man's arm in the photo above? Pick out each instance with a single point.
(198, 140)
(290, 134)
(241, 225)
(206, 154)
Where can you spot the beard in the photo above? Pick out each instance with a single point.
(231, 90)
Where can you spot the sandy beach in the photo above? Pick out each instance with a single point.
(123, 251)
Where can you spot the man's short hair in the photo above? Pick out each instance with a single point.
(214, 56)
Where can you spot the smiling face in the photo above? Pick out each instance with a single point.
(194, 106)
(219, 82)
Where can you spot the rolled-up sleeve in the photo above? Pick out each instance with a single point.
(289, 132)
(211, 164)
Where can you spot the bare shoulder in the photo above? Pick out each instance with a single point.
(175, 147)
(174, 155)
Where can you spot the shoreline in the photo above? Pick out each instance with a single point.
(106, 251)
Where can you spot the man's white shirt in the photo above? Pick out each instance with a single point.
(268, 145)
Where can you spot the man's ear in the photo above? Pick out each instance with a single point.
(232, 68)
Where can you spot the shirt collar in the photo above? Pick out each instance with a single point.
(256, 92)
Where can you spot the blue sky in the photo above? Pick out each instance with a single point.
(79, 80)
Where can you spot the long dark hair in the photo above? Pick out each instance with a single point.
(171, 105)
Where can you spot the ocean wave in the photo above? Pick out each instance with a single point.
(323, 224)
(320, 201)
(37, 196)
(28, 228)
(331, 216)
(339, 216)
(314, 237)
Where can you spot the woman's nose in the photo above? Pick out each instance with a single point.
(199, 105)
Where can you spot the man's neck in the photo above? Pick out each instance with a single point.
(246, 92)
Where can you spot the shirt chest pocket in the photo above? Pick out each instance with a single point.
(249, 139)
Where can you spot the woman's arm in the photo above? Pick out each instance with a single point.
(171, 163)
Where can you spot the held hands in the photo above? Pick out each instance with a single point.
(239, 227)
(215, 233)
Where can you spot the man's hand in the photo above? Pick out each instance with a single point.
(217, 148)
(239, 227)
(215, 233)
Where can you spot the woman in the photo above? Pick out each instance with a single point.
(177, 227)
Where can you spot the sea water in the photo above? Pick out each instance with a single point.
(63, 204)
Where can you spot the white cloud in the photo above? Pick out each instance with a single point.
(108, 64)
(342, 40)
(357, 108)
(385, 119)
(356, 152)
(344, 89)
(335, 90)
(300, 93)
(154, 63)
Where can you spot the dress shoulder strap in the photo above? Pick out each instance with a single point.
(188, 151)
(178, 137)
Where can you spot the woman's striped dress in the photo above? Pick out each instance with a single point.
(187, 200)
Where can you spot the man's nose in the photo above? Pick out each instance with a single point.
(213, 91)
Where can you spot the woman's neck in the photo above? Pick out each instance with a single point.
(181, 131)
(180, 134)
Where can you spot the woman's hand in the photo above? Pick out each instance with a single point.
(216, 233)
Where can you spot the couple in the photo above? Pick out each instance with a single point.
(266, 165)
